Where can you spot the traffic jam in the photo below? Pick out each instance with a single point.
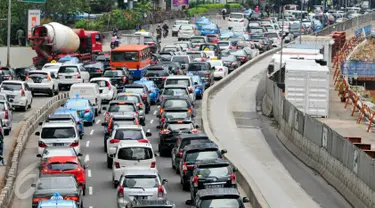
(135, 111)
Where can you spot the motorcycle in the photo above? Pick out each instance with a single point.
(112, 45)
(165, 33)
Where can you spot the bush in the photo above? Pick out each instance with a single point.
(198, 10)
(234, 5)
(212, 6)
(89, 24)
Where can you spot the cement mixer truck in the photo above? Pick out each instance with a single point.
(53, 41)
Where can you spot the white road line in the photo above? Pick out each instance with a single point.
(148, 130)
(87, 158)
(152, 121)
(155, 112)
(89, 173)
(98, 121)
(90, 190)
(87, 143)
(92, 131)
(91, 207)
(103, 113)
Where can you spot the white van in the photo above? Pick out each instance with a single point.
(89, 91)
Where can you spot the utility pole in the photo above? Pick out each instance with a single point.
(282, 43)
(8, 35)
(300, 24)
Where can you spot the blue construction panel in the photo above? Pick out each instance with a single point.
(363, 69)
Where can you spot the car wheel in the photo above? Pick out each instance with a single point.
(109, 162)
(185, 186)
(51, 93)
(96, 112)
(177, 170)
(161, 151)
(105, 145)
(6, 132)
(84, 190)
(90, 123)
(31, 102)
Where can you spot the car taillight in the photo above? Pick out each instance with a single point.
(124, 79)
(197, 86)
(233, 64)
(143, 141)
(208, 75)
(10, 77)
(243, 58)
(75, 144)
(78, 76)
(164, 78)
(42, 144)
(114, 141)
(117, 164)
(87, 111)
(109, 85)
(120, 191)
(229, 20)
(242, 21)
(195, 181)
(165, 131)
(220, 69)
(23, 93)
(153, 164)
(6, 114)
(233, 178)
(184, 168)
(144, 97)
(160, 191)
(37, 200)
(190, 90)
(162, 97)
(194, 131)
(162, 120)
(98, 70)
(180, 152)
(72, 198)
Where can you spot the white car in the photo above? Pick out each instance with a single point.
(125, 134)
(210, 55)
(107, 91)
(177, 25)
(197, 56)
(237, 20)
(183, 80)
(52, 67)
(275, 37)
(226, 45)
(176, 49)
(58, 134)
(18, 93)
(134, 155)
(140, 184)
(220, 69)
(42, 82)
(6, 116)
(186, 32)
(90, 91)
(69, 74)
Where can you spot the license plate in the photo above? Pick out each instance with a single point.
(214, 186)
(68, 77)
(58, 144)
(141, 197)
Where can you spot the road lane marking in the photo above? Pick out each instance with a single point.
(87, 143)
(89, 173)
(152, 121)
(98, 121)
(87, 158)
(104, 114)
(148, 130)
(90, 190)
(91, 207)
(155, 112)
(92, 131)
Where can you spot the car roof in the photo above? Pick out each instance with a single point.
(39, 71)
(57, 203)
(123, 115)
(122, 102)
(129, 94)
(137, 127)
(210, 162)
(59, 124)
(100, 78)
(151, 203)
(175, 86)
(140, 171)
(189, 136)
(178, 77)
(13, 81)
(134, 85)
(201, 146)
(217, 191)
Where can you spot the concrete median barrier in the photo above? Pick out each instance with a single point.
(28, 127)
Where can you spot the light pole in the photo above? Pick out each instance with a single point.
(8, 35)
(282, 43)
(300, 24)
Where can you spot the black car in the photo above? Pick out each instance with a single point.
(190, 156)
(21, 73)
(64, 184)
(119, 77)
(182, 141)
(231, 62)
(158, 74)
(152, 43)
(212, 174)
(105, 59)
(8, 73)
(241, 55)
(170, 131)
(202, 69)
(221, 197)
(176, 103)
(95, 69)
(144, 203)
(142, 90)
(176, 113)
(175, 68)
(165, 56)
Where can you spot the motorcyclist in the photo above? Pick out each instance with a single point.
(114, 41)
(166, 29)
(158, 33)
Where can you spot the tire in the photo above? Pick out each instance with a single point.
(185, 187)
(51, 93)
(84, 190)
(6, 132)
(90, 123)
(96, 112)
(31, 103)
(162, 152)
(109, 162)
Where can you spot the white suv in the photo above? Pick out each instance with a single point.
(69, 74)
(58, 134)
(124, 134)
(237, 20)
(18, 93)
(42, 82)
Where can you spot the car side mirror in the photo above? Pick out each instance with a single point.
(197, 126)
(245, 200)
(39, 155)
(104, 124)
(37, 133)
(189, 202)
(224, 151)
(148, 134)
(164, 182)
(79, 154)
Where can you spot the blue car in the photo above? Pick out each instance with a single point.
(202, 21)
(75, 115)
(210, 29)
(198, 86)
(69, 59)
(154, 91)
(57, 201)
(226, 35)
(83, 107)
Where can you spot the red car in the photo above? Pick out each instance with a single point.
(67, 165)
(213, 38)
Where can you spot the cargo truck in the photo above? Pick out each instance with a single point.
(53, 41)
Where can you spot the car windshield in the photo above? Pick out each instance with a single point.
(156, 72)
(180, 59)
(62, 166)
(100, 83)
(184, 82)
(141, 181)
(197, 40)
(58, 133)
(271, 35)
(295, 26)
(179, 127)
(11, 86)
(48, 183)
(113, 73)
(218, 171)
(177, 115)
(216, 63)
(197, 67)
(236, 16)
(134, 90)
(124, 56)
(203, 155)
(128, 134)
(128, 97)
(208, 203)
(121, 108)
(135, 153)
(183, 45)
(176, 104)
(223, 44)
(68, 69)
(175, 92)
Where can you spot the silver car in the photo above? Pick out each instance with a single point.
(139, 184)
(3, 96)
(186, 32)
(6, 116)
(137, 99)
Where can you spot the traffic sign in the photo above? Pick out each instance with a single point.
(33, 1)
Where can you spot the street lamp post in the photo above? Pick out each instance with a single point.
(8, 35)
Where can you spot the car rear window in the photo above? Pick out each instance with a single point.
(177, 115)
(50, 183)
(58, 133)
(214, 171)
(186, 27)
(197, 67)
(236, 16)
(197, 40)
(271, 35)
(224, 202)
(184, 82)
(40, 75)
(176, 104)
(141, 181)
(195, 55)
(128, 97)
(2, 107)
(223, 43)
(203, 155)
(100, 83)
(180, 59)
(187, 142)
(154, 72)
(113, 73)
(175, 92)
(134, 90)
(121, 108)
(128, 134)
(135, 153)
(63, 166)
(68, 69)
(11, 86)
